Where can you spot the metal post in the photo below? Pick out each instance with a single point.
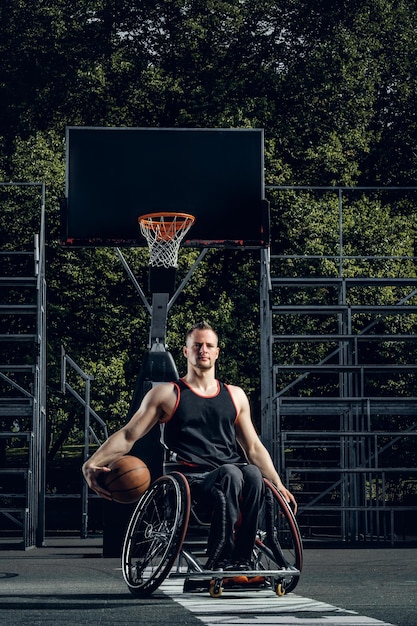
(158, 331)
(267, 416)
(41, 395)
(84, 521)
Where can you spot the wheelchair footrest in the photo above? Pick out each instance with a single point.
(235, 580)
(223, 574)
(229, 584)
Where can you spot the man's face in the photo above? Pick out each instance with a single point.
(202, 350)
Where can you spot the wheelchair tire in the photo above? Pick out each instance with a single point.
(155, 533)
(278, 544)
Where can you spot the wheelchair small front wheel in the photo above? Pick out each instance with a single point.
(215, 588)
(279, 589)
(155, 533)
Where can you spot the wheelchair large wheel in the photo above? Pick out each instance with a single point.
(155, 533)
(278, 544)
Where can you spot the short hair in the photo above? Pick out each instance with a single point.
(202, 325)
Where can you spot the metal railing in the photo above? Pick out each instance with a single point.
(89, 416)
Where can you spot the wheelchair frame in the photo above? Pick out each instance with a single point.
(156, 539)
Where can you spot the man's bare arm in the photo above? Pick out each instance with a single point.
(156, 402)
(256, 452)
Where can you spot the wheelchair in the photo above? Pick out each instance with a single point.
(167, 536)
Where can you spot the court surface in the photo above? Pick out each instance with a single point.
(68, 582)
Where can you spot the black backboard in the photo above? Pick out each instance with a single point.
(114, 175)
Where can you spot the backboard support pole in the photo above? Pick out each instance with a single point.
(134, 281)
(158, 330)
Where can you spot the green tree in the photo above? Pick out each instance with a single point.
(332, 84)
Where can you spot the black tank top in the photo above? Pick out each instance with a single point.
(201, 429)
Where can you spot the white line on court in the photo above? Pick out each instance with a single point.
(262, 608)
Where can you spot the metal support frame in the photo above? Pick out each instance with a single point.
(89, 432)
(161, 302)
(266, 338)
(31, 404)
(285, 409)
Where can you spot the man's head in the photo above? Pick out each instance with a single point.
(201, 346)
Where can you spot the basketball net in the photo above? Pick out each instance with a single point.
(164, 233)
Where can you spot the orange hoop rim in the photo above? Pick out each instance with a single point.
(146, 220)
(164, 231)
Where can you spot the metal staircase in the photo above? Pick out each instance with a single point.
(23, 382)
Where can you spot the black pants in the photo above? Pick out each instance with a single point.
(243, 488)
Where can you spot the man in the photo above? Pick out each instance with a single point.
(206, 426)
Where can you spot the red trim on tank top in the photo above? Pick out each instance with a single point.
(232, 399)
(200, 395)
(166, 419)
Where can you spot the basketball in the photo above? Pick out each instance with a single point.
(128, 479)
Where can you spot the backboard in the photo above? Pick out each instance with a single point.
(114, 175)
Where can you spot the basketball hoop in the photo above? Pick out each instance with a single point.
(164, 233)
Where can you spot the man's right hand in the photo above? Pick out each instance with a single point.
(93, 475)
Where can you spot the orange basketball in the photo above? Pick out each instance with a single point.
(128, 479)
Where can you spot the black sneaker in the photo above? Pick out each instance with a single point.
(241, 565)
(221, 565)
